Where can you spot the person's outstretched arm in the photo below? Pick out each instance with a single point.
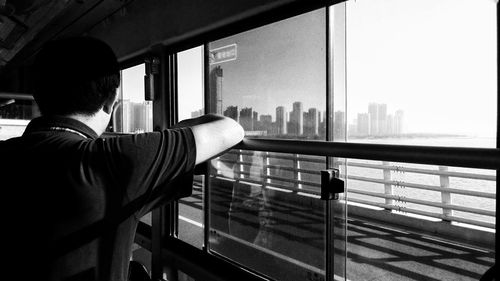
(213, 134)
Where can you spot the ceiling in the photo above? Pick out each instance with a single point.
(26, 24)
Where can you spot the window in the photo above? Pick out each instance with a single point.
(15, 113)
(132, 114)
(264, 207)
(421, 74)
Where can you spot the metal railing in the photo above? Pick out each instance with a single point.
(288, 175)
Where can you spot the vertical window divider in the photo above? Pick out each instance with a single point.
(497, 221)
(329, 251)
(207, 182)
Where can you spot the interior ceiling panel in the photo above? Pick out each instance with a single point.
(26, 24)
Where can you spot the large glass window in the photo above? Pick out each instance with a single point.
(420, 73)
(272, 80)
(388, 72)
(265, 210)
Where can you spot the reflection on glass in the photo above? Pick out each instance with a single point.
(132, 114)
(266, 213)
(15, 114)
(422, 72)
(272, 79)
(190, 104)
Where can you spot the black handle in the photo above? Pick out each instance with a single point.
(331, 185)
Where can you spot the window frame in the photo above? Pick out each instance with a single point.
(181, 255)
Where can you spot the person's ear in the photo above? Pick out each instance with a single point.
(109, 105)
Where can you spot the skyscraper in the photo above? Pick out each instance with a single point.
(281, 120)
(296, 120)
(373, 117)
(246, 118)
(216, 79)
(378, 118)
(311, 123)
(382, 119)
(232, 112)
(339, 125)
(363, 124)
(266, 123)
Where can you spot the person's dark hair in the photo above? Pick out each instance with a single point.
(75, 75)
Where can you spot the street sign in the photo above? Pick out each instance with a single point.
(223, 54)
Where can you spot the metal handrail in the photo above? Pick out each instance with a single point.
(304, 187)
(482, 158)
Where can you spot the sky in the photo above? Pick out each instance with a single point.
(433, 59)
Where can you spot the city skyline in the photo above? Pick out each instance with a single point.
(312, 122)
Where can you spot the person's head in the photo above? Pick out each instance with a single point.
(75, 76)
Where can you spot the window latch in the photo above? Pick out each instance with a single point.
(331, 185)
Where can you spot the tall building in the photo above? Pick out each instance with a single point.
(246, 118)
(281, 128)
(378, 118)
(232, 112)
(266, 123)
(382, 119)
(255, 121)
(311, 123)
(390, 125)
(215, 82)
(398, 122)
(373, 117)
(296, 120)
(339, 125)
(363, 124)
(322, 124)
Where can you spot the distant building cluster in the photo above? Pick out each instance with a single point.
(376, 122)
(295, 123)
(299, 122)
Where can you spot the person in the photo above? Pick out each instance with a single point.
(72, 200)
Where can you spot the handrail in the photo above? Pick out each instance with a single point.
(482, 158)
(261, 173)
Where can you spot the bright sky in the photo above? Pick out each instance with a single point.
(433, 59)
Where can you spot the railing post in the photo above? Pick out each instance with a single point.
(296, 167)
(444, 182)
(241, 168)
(388, 190)
(265, 170)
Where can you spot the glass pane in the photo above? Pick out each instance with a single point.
(133, 114)
(190, 83)
(273, 79)
(422, 72)
(15, 114)
(266, 213)
(190, 104)
(420, 222)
